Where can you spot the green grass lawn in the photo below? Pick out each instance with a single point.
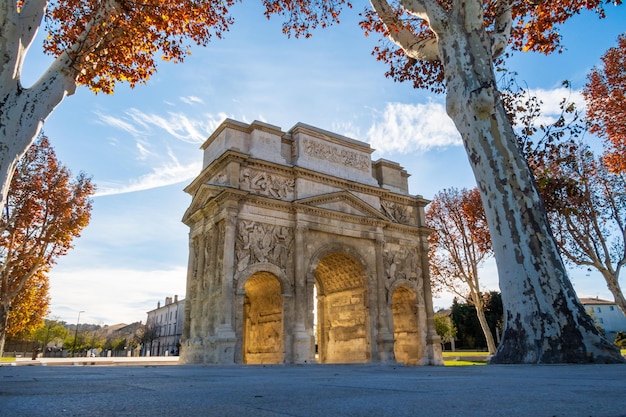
(464, 353)
(463, 363)
(465, 358)
(456, 358)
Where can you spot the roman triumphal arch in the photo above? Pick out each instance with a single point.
(303, 250)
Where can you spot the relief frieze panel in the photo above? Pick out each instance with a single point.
(337, 155)
(396, 212)
(220, 178)
(260, 243)
(219, 261)
(266, 184)
(402, 263)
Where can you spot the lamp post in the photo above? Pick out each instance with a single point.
(76, 334)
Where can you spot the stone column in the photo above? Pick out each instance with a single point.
(191, 343)
(241, 327)
(385, 337)
(322, 329)
(191, 291)
(301, 338)
(432, 354)
(226, 337)
(310, 318)
(210, 244)
(289, 338)
(199, 290)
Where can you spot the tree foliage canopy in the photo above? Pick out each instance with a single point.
(535, 27)
(460, 241)
(108, 41)
(605, 94)
(30, 306)
(45, 210)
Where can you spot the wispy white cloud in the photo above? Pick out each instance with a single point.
(551, 102)
(191, 100)
(177, 125)
(181, 126)
(161, 176)
(405, 128)
(147, 129)
(143, 150)
(348, 129)
(118, 123)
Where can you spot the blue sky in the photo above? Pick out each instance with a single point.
(141, 146)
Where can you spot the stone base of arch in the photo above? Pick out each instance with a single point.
(283, 224)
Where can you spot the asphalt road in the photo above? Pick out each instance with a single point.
(313, 390)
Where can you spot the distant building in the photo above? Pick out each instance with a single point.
(165, 323)
(606, 315)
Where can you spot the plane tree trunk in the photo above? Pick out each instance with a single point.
(23, 110)
(544, 320)
(4, 318)
(479, 305)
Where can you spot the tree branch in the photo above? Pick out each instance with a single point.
(503, 25)
(425, 49)
(31, 14)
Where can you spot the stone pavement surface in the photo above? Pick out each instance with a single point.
(312, 390)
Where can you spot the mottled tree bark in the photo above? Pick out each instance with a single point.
(23, 110)
(544, 320)
(4, 320)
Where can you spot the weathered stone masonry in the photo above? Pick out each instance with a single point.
(285, 223)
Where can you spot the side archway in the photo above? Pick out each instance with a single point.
(263, 316)
(407, 346)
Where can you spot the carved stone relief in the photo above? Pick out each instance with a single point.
(403, 264)
(260, 242)
(336, 155)
(195, 245)
(220, 178)
(396, 212)
(219, 261)
(263, 183)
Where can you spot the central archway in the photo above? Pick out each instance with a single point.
(263, 320)
(343, 332)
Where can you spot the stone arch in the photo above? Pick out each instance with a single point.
(406, 332)
(262, 319)
(343, 328)
(242, 277)
(337, 247)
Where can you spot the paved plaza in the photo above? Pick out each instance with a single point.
(311, 390)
